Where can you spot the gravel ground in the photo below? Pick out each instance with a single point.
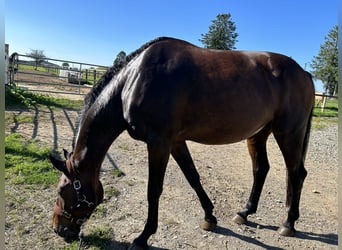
(226, 176)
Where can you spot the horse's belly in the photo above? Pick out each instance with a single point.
(223, 135)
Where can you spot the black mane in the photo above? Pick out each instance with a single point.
(106, 78)
(114, 70)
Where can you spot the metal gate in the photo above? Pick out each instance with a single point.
(52, 75)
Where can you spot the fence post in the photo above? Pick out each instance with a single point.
(6, 62)
(80, 79)
(324, 100)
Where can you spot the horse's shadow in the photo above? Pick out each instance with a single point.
(330, 238)
(94, 240)
(107, 244)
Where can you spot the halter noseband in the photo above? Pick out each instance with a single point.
(81, 198)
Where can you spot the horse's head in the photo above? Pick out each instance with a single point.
(78, 196)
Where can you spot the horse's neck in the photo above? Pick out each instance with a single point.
(102, 123)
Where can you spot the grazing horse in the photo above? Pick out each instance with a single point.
(170, 91)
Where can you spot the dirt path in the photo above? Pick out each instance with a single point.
(226, 176)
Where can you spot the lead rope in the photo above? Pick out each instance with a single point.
(80, 236)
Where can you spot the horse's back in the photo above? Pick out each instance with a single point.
(214, 96)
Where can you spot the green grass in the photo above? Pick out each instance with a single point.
(23, 99)
(26, 162)
(331, 109)
(100, 237)
(39, 68)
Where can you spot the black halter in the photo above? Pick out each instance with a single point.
(81, 198)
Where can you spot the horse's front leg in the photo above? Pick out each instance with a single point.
(158, 156)
(182, 156)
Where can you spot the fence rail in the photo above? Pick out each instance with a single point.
(50, 76)
(321, 100)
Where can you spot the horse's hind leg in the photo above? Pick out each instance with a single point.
(293, 147)
(257, 150)
(182, 156)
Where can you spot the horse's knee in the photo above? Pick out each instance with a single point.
(303, 173)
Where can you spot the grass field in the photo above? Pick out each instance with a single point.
(26, 162)
(331, 109)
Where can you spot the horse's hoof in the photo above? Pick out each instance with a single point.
(288, 232)
(138, 245)
(208, 225)
(238, 219)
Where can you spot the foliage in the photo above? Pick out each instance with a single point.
(325, 64)
(65, 65)
(20, 98)
(38, 56)
(221, 35)
(26, 161)
(121, 57)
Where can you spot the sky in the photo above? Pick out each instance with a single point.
(96, 31)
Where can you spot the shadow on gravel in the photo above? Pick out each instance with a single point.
(228, 232)
(330, 238)
(113, 244)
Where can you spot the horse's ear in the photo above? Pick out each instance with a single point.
(66, 153)
(60, 165)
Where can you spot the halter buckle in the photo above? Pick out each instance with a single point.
(66, 215)
(77, 185)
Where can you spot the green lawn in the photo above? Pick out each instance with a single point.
(331, 109)
(27, 161)
(24, 99)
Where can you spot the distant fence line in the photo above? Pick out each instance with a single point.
(48, 74)
(321, 100)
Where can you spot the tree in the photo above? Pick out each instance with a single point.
(65, 65)
(221, 34)
(38, 56)
(121, 57)
(325, 64)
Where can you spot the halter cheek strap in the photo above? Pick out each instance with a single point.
(79, 221)
(81, 198)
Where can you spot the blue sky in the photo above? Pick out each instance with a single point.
(96, 31)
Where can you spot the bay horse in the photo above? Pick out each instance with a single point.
(170, 91)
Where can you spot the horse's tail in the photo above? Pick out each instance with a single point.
(307, 135)
(303, 172)
(308, 126)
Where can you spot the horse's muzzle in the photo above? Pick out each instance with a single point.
(66, 233)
